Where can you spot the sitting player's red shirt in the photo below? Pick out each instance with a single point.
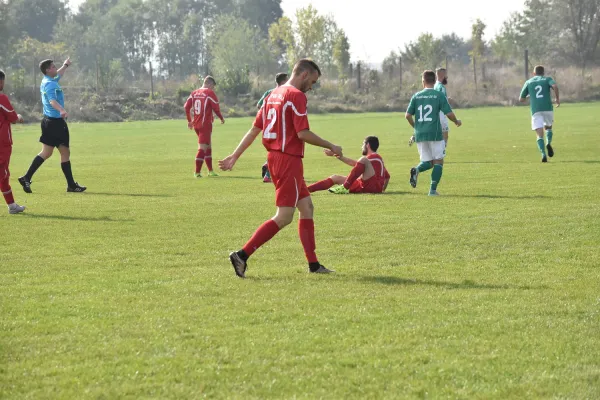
(7, 116)
(204, 102)
(376, 183)
(281, 118)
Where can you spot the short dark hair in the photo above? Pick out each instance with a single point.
(373, 142)
(210, 79)
(306, 65)
(538, 70)
(429, 76)
(2, 75)
(281, 78)
(44, 65)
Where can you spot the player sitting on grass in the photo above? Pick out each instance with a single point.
(368, 174)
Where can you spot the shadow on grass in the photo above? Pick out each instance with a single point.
(579, 162)
(128, 194)
(467, 284)
(394, 193)
(223, 175)
(494, 196)
(69, 218)
(472, 162)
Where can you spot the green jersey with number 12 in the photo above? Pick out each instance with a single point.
(538, 89)
(426, 106)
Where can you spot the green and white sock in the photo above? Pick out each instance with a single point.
(540, 144)
(436, 176)
(549, 136)
(424, 166)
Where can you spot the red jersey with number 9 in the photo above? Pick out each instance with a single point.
(203, 101)
(282, 116)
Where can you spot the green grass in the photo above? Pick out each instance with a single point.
(126, 291)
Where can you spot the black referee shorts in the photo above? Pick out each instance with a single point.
(55, 132)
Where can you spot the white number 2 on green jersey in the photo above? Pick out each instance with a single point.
(538, 92)
(428, 110)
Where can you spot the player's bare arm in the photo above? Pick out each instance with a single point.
(523, 99)
(56, 105)
(555, 88)
(452, 117)
(410, 119)
(343, 159)
(20, 118)
(61, 70)
(228, 162)
(312, 138)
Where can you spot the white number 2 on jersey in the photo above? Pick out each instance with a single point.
(538, 92)
(428, 110)
(197, 106)
(272, 116)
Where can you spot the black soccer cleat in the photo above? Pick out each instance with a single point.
(26, 184)
(239, 265)
(544, 158)
(321, 270)
(414, 174)
(550, 151)
(265, 168)
(76, 189)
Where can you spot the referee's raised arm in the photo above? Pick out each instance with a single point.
(61, 70)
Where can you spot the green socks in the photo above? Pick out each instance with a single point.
(436, 176)
(424, 166)
(540, 144)
(549, 136)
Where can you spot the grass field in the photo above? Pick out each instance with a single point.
(490, 291)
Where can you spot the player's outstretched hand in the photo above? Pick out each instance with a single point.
(337, 150)
(557, 103)
(411, 140)
(458, 122)
(328, 152)
(190, 125)
(222, 121)
(227, 163)
(67, 61)
(20, 118)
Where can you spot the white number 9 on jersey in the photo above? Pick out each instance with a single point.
(272, 116)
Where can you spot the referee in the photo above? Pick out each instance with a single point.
(55, 132)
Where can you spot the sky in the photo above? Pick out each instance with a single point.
(376, 27)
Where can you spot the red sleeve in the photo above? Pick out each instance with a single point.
(259, 120)
(215, 105)
(7, 109)
(188, 106)
(387, 174)
(300, 118)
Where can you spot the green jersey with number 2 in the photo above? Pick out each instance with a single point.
(426, 106)
(538, 89)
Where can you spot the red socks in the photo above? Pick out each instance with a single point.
(8, 196)
(262, 235)
(321, 185)
(208, 159)
(199, 160)
(306, 230)
(356, 172)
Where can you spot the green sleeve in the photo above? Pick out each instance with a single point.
(445, 106)
(525, 91)
(551, 81)
(262, 99)
(411, 106)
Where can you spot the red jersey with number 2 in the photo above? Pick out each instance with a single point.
(203, 101)
(281, 118)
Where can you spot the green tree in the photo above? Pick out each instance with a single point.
(580, 20)
(259, 13)
(35, 18)
(425, 53)
(341, 53)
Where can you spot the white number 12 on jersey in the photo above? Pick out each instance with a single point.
(428, 110)
(272, 115)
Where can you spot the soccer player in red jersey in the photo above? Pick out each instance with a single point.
(284, 123)
(7, 116)
(204, 102)
(368, 174)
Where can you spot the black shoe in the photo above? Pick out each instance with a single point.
(544, 158)
(550, 151)
(265, 168)
(26, 184)
(76, 189)
(239, 265)
(321, 270)
(414, 174)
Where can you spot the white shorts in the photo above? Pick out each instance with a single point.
(541, 119)
(432, 150)
(444, 122)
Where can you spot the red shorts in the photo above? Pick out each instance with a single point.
(287, 173)
(369, 186)
(5, 153)
(204, 134)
